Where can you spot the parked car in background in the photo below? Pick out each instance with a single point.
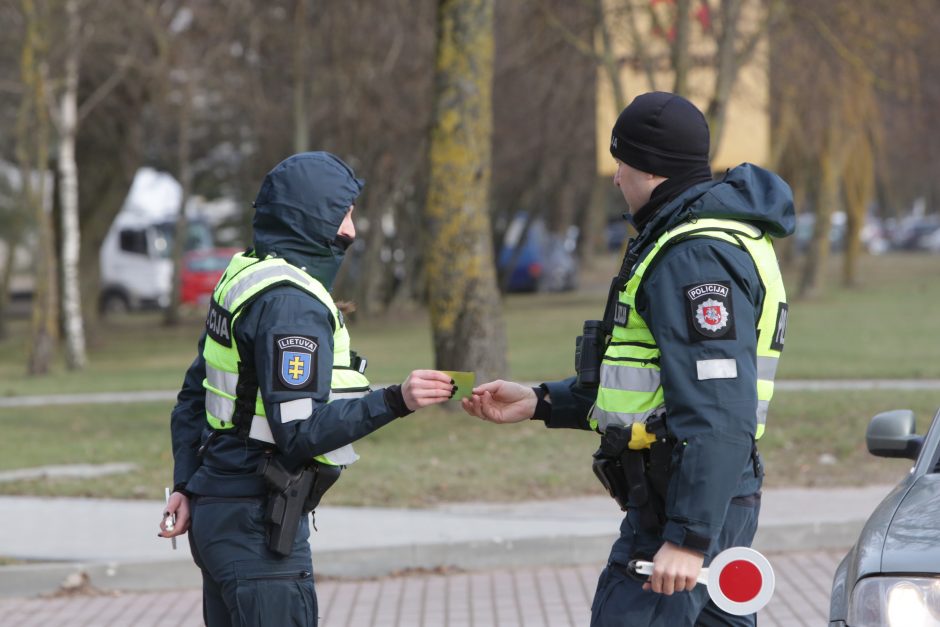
(917, 233)
(136, 261)
(542, 261)
(200, 273)
(616, 232)
(892, 574)
(872, 235)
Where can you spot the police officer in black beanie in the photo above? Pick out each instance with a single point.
(693, 328)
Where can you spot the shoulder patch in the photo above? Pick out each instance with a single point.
(780, 328)
(296, 362)
(621, 314)
(709, 311)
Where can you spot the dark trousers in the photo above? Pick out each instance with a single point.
(621, 602)
(245, 584)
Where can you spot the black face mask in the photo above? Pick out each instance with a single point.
(342, 242)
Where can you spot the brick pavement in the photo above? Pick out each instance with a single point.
(529, 597)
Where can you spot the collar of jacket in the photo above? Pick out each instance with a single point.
(670, 213)
(322, 262)
(666, 192)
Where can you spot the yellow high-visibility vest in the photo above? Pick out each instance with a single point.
(245, 278)
(630, 390)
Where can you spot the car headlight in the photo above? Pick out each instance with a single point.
(896, 602)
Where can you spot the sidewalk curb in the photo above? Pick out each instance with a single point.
(34, 579)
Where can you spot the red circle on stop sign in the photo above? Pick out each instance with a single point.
(740, 581)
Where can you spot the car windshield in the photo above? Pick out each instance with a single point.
(198, 237)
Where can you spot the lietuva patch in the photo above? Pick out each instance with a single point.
(219, 324)
(296, 362)
(709, 314)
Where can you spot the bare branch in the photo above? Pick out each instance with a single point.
(101, 92)
(846, 53)
(566, 33)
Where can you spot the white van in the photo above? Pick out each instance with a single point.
(136, 255)
(136, 262)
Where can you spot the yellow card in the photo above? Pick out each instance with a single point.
(463, 381)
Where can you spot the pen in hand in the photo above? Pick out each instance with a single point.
(170, 521)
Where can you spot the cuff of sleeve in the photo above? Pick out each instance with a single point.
(566, 409)
(543, 409)
(681, 535)
(396, 401)
(181, 488)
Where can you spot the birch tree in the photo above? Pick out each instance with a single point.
(67, 124)
(466, 317)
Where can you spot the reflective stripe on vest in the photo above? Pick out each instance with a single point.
(630, 389)
(243, 280)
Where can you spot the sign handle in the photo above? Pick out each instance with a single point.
(641, 567)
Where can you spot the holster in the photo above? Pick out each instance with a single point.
(636, 479)
(292, 497)
(608, 464)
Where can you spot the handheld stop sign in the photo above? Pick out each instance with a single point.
(740, 580)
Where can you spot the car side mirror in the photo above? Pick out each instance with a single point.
(891, 434)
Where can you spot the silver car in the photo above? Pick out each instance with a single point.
(892, 574)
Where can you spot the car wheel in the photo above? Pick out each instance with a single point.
(114, 304)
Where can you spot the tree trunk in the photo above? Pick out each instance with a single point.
(726, 72)
(859, 185)
(786, 248)
(301, 115)
(109, 147)
(680, 48)
(6, 274)
(637, 38)
(73, 323)
(33, 151)
(466, 315)
(172, 314)
(609, 60)
(827, 196)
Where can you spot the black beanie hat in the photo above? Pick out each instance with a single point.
(661, 133)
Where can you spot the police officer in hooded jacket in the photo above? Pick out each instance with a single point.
(276, 386)
(678, 376)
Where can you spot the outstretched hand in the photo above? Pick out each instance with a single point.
(427, 387)
(501, 402)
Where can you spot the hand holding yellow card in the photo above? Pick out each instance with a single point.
(463, 381)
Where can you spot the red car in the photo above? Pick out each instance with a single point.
(202, 269)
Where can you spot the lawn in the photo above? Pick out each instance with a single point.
(814, 438)
(887, 328)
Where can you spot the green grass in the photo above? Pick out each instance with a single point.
(439, 455)
(818, 438)
(888, 328)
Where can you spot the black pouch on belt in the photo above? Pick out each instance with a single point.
(326, 475)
